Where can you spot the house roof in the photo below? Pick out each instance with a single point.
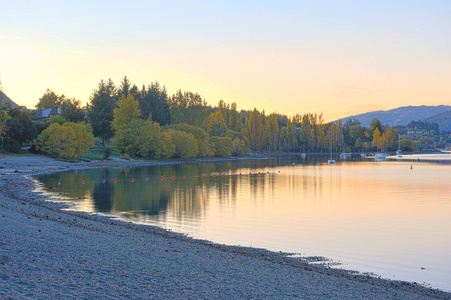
(44, 113)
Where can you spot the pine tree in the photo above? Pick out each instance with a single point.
(100, 111)
(154, 102)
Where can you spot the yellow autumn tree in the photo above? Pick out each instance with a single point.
(376, 137)
(273, 132)
(217, 124)
(127, 110)
(255, 130)
(66, 141)
(85, 137)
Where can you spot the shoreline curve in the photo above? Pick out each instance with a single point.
(47, 252)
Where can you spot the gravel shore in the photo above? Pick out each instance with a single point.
(49, 253)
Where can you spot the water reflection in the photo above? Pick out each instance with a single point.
(96, 191)
(380, 217)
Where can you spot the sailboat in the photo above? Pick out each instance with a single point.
(399, 151)
(331, 161)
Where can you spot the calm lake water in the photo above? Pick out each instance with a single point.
(392, 218)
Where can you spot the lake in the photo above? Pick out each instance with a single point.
(391, 218)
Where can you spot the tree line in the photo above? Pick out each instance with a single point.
(147, 122)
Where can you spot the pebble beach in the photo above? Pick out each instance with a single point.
(47, 252)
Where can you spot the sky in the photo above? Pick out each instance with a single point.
(336, 57)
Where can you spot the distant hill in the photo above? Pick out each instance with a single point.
(442, 119)
(403, 115)
(7, 101)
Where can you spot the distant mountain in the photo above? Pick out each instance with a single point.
(7, 101)
(402, 115)
(442, 119)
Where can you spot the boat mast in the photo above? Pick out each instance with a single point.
(331, 142)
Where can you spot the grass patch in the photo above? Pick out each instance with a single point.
(98, 151)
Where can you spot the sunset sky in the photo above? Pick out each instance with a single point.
(336, 57)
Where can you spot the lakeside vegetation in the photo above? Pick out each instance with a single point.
(148, 123)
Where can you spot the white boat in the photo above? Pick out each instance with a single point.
(381, 156)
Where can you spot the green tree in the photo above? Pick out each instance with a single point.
(50, 99)
(291, 133)
(139, 138)
(66, 141)
(357, 131)
(4, 117)
(124, 88)
(100, 110)
(85, 137)
(61, 141)
(273, 132)
(217, 124)
(234, 123)
(375, 124)
(223, 146)
(407, 145)
(168, 147)
(127, 136)
(185, 144)
(241, 143)
(154, 102)
(202, 138)
(255, 130)
(389, 138)
(71, 110)
(152, 143)
(19, 126)
(57, 119)
(283, 139)
(426, 142)
(188, 108)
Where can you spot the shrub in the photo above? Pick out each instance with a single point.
(106, 153)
